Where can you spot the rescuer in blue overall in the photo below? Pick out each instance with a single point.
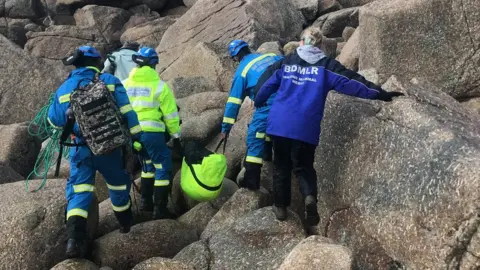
(251, 67)
(83, 164)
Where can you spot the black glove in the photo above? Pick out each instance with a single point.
(388, 96)
(177, 146)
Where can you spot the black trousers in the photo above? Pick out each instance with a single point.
(293, 155)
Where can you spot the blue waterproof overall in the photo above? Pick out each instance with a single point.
(83, 164)
(245, 79)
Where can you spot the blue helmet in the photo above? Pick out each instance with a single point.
(235, 46)
(145, 56)
(89, 51)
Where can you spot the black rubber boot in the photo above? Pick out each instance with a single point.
(311, 217)
(77, 236)
(251, 179)
(146, 200)
(76, 248)
(280, 212)
(267, 151)
(160, 210)
(125, 219)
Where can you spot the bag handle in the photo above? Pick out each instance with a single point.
(224, 142)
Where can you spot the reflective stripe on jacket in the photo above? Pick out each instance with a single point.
(153, 101)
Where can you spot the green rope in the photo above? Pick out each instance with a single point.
(41, 128)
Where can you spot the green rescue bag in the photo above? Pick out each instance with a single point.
(202, 172)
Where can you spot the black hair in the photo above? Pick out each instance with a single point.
(85, 61)
(243, 52)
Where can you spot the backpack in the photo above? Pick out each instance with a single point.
(202, 172)
(98, 117)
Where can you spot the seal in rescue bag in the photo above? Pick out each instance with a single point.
(203, 172)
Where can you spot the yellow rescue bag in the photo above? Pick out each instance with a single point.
(202, 172)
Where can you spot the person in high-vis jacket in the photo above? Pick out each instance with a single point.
(83, 164)
(251, 67)
(155, 104)
(120, 63)
(302, 82)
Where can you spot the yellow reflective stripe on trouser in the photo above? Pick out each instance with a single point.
(162, 183)
(77, 212)
(147, 175)
(228, 120)
(83, 188)
(64, 98)
(254, 160)
(234, 100)
(249, 66)
(268, 139)
(158, 166)
(153, 124)
(148, 161)
(111, 87)
(125, 109)
(121, 208)
(260, 135)
(136, 129)
(122, 187)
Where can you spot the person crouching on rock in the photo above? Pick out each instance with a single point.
(157, 111)
(83, 163)
(251, 67)
(301, 82)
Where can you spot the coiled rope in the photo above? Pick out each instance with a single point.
(41, 128)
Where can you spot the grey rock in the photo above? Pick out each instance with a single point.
(354, 3)
(350, 54)
(189, 3)
(35, 77)
(75, 264)
(371, 75)
(158, 263)
(149, 33)
(347, 33)
(290, 47)
(270, 47)
(333, 24)
(195, 254)
(316, 252)
(139, 19)
(242, 202)
(30, 9)
(109, 21)
(177, 11)
(199, 216)
(140, 10)
(472, 104)
(394, 163)
(210, 61)
(309, 8)
(163, 238)
(32, 227)
(185, 86)
(393, 41)
(18, 153)
(15, 30)
(327, 6)
(222, 21)
(155, 4)
(255, 241)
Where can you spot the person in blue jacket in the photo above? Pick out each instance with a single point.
(83, 164)
(301, 82)
(251, 67)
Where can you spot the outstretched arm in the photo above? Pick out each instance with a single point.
(269, 88)
(234, 102)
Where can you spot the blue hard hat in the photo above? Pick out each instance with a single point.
(89, 51)
(146, 56)
(235, 46)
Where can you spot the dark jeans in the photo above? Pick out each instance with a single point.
(293, 155)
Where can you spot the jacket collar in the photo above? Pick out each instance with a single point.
(144, 74)
(84, 71)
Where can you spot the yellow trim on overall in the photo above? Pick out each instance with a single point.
(147, 175)
(256, 160)
(121, 208)
(249, 66)
(228, 120)
(260, 135)
(234, 100)
(77, 212)
(149, 161)
(122, 187)
(64, 98)
(162, 183)
(125, 109)
(111, 87)
(136, 129)
(158, 166)
(83, 188)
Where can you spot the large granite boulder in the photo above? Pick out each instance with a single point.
(256, 21)
(149, 33)
(393, 40)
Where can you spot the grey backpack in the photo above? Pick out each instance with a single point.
(99, 117)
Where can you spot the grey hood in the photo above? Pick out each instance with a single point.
(310, 54)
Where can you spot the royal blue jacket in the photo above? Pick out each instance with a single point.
(57, 111)
(245, 79)
(301, 82)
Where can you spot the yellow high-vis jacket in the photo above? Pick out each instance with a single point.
(153, 101)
